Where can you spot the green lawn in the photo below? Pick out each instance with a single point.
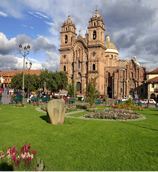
(83, 144)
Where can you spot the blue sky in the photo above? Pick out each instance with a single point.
(132, 26)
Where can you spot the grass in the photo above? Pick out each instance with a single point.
(83, 144)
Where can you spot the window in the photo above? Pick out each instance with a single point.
(93, 67)
(64, 56)
(72, 66)
(121, 90)
(64, 68)
(153, 85)
(66, 39)
(94, 34)
(79, 64)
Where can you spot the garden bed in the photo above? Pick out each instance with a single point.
(115, 114)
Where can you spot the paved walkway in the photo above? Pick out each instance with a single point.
(69, 113)
(74, 112)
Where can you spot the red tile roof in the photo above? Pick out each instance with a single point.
(11, 73)
(153, 80)
(155, 71)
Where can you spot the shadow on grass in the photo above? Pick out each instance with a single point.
(153, 154)
(144, 127)
(45, 118)
(6, 167)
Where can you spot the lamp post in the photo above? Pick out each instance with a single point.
(24, 51)
(28, 67)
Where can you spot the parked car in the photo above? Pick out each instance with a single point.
(150, 101)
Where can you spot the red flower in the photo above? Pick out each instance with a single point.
(25, 148)
(11, 151)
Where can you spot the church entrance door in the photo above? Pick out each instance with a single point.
(78, 87)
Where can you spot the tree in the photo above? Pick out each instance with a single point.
(71, 90)
(55, 81)
(16, 82)
(92, 93)
(31, 82)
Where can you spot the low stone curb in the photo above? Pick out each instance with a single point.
(67, 115)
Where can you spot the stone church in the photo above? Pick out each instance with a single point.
(96, 56)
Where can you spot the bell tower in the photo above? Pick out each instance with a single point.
(96, 29)
(96, 49)
(67, 38)
(67, 33)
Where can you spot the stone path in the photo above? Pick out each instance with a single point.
(74, 112)
(67, 114)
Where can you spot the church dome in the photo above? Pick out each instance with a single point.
(110, 46)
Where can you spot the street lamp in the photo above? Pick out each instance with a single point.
(28, 65)
(24, 51)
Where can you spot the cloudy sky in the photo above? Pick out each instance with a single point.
(132, 25)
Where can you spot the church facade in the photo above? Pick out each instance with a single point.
(96, 56)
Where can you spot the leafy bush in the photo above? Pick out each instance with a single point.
(82, 106)
(129, 105)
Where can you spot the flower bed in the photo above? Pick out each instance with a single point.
(25, 159)
(115, 114)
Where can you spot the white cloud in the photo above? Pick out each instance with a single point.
(41, 15)
(9, 47)
(6, 45)
(14, 62)
(3, 14)
(52, 61)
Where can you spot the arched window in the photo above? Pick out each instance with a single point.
(72, 67)
(66, 39)
(64, 68)
(79, 64)
(94, 34)
(93, 67)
